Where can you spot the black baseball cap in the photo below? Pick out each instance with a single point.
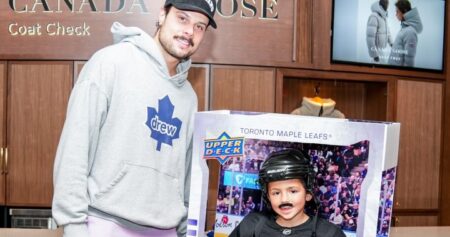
(206, 7)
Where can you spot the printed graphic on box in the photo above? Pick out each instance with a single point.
(340, 172)
(355, 164)
(386, 200)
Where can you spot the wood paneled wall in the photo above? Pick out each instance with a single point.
(239, 88)
(37, 101)
(199, 78)
(3, 67)
(419, 110)
(445, 164)
(304, 33)
(416, 220)
(321, 26)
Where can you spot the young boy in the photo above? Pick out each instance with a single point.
(287, 182)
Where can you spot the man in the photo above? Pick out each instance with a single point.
(122, 166)
(378, 36)
(336, 217)
(403, 52)
(287, 183)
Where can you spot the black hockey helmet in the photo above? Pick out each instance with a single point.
(287, 164)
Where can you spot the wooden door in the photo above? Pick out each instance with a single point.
(2, 129)
(38, 94)
(419, 110)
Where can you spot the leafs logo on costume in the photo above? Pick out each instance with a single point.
(163, 127)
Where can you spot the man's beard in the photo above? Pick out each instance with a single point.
(169, 47)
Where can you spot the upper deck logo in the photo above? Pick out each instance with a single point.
(223, 148)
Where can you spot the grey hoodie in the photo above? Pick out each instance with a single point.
(125, 150)
(404, 49)
(377, 35)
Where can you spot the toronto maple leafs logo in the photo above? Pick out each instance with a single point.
(163, 127)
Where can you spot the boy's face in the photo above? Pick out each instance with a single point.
(288, 198)
(181, 32)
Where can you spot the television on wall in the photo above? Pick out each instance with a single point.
(380, 33)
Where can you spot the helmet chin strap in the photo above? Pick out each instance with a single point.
(314, 227)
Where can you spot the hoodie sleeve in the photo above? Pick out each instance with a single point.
(86, 112)
(371, 34)
(182, 227)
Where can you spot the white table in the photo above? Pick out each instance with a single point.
(432, 231)
(10, 232)
(425, 231)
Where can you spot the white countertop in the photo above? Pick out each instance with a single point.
(432, 231)
(10, 232)
(420, 231)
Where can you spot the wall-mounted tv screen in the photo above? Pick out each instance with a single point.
(389, 33)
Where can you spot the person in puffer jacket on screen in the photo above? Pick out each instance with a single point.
(378, 36)
(403, 52)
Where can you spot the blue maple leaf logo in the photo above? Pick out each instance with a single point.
(163, 127)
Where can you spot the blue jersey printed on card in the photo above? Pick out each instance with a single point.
(164, 128)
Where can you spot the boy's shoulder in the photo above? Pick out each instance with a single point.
(326, 228)
(254, 218)
(250, 225)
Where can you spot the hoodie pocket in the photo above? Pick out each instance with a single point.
(143, 195)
